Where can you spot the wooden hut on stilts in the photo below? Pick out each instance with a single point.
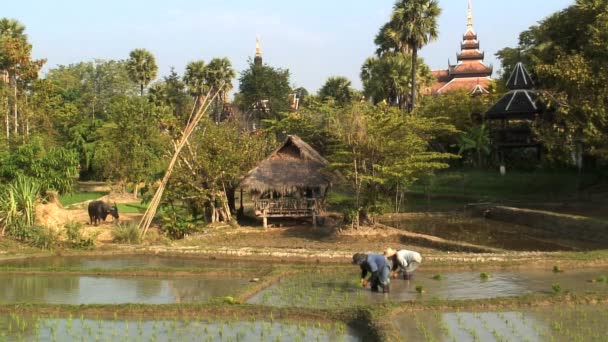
(291, 182)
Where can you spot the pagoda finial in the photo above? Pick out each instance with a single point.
(258, 49)
(470, 17)
(258, 52)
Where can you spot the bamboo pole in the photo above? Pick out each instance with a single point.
(146, 220)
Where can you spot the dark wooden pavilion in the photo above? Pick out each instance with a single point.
(291, 182)
(510, 119)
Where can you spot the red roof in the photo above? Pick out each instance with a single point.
(441, 75)
(471, 67)
(471, 53)
(468, 84)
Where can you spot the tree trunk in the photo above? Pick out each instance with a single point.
(141, 87)
(8, 123)
(135, 189)
(414, 74)
(15, 106)
(231, 197)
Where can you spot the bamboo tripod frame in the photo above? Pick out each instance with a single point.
(195, 116)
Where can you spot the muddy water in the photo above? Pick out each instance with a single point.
(583, 323)
(72, 289)
(336, 290)
(75, 329)
(118, 262)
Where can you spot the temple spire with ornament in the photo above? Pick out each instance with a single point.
(258, 52)
(470, 72)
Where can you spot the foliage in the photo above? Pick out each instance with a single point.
(176, 224)
(264, 90)
(211, 167)
(485, 275)
(54, 168)
(130, 148)
(476, 140)
(382, 151)
(388, 78)
(337, 88)
(17, 207)
(126, 233)
(142, 68)
(566, 54)
(75, 238)
(413, 25)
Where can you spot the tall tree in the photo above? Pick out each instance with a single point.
(413, 25)
(220, 72)
(337, 87)
(264, 90)
(142, 68)
(389, 78)
(196, 78)
(16, 60)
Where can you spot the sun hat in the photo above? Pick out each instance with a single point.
(389, 252)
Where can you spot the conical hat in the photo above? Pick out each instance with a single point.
(389, 252)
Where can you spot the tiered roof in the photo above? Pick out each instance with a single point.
(521, 102)
(470, 73)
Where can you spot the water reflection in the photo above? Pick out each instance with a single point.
(68, 289)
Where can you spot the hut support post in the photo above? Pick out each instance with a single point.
(314, 219)
(264, 219)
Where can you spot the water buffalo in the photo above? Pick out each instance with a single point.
(99, 210)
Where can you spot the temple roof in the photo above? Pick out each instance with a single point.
(515, 104)
(469, 84)
(520, 78)
(470, 54)
(471, 67)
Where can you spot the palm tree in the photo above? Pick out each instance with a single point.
(413, 25)
(142, 68)
(219, 77)
(476, 139)
(338, 88)
(12, 28)
(195, 78)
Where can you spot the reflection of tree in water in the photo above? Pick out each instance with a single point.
(148, 288)
(16, 288)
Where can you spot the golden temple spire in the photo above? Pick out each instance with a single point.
(258, 49)
(470, 17)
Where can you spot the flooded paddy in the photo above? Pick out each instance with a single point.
(322, 290)
(480, 231)
(563, 323)
(31, 328)
(80, 289)
(124, 261)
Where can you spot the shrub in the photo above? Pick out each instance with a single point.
(176, 225)
(75, 239)
(17, 212)
(126, 233)
(43, 237)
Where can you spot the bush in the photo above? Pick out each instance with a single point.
(126, 233)
(43, 237)
(17, 214)
(177, 225)
(74, 236)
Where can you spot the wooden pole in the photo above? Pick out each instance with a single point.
(146, 220)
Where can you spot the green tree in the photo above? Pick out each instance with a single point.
(389, 78)
(477, 140)
(196, 79)
(219, 77)
(381, 152)
(566, 54)
(264, 90)
(142, 68)
(413, 25)
(339, 88)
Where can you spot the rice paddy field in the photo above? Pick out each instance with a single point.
(163, 298)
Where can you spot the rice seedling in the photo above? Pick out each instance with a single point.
(438, 277)
(485, 276)
(556, 287)
(420, 289)
(557, 269)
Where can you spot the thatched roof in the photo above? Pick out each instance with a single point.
(294, 165)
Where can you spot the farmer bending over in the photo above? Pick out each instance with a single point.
(403, 261)
(378, 266)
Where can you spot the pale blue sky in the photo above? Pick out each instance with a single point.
(315, 39)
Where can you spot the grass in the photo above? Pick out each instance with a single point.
(132, 208)
(79, 197)
(516, 185)
(126, 233)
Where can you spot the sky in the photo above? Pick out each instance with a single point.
(314, 39)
